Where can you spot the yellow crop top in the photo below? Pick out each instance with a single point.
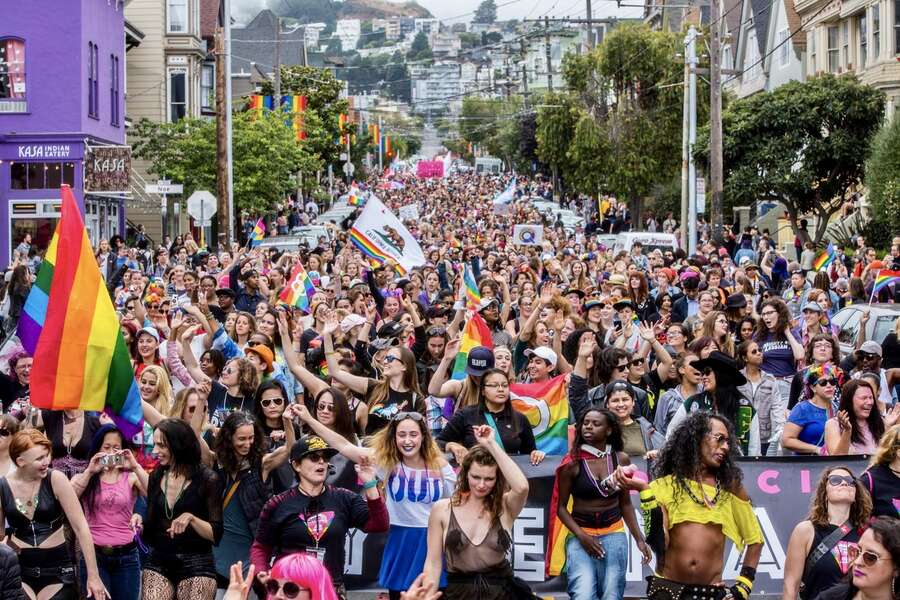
(734, 515)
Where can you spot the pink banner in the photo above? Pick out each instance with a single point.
(430, 168)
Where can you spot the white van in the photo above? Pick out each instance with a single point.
(488, 165)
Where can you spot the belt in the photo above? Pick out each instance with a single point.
(115, 550)
(38, 572)
(660, 588)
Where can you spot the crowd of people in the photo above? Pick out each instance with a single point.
(271, 432)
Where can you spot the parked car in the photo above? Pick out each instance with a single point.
(308, 235)
(881, 322)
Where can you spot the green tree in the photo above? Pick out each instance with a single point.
(883, 175)
(419, 49)
(486, 12)
(556, 121)
(804, 144)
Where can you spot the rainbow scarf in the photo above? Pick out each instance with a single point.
(258, 233)
(884, 279)
(825, 258)
(473, 296)
(546, 405)
(476, 333)
(70, 327)
(299, 292)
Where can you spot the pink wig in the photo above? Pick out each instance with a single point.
(307, 572)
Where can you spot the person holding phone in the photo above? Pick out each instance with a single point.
(108, 489)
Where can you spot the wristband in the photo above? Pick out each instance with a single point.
(647, 494)
(370, 484)
(748, 573)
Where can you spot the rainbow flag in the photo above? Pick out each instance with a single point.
(476, 333)
(546, 405)
(354, 197)
(884, 279)
(342, 125)
(258, 233)
(375, 256)
(473, 296)
(299, 292)
(70, 327)
(296, 106)
(386, 139)
(376, 134)
(824, 258)
(257, 103)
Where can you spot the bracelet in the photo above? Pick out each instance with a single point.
(370, 484)
(748, 573)
(647, 494)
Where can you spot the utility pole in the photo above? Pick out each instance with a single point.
(221, 144)
(277, 100)
(229, 166)
(715, 120)
(590, 29)
(380, 146)
(685, 146)
(692, 140)
(547, 51)
(524, 73)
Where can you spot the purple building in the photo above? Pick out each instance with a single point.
(62, 73)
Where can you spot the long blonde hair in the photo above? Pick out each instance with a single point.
(887, 447)
(382, 389)
(468, 393)
(387, 455)
(726, 343)
(165, 399)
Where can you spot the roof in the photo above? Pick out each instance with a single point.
(795, 25)
(253, 44)
(761, 13)
(209, 18)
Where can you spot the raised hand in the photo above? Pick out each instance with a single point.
(484, 434)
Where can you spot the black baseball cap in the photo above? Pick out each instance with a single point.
(480, 359)
(309, 444)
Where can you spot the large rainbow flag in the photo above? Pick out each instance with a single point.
(296, 106)
(299, 292)
(70, 327)
(476, 333)
(546, 405)
(473, 296)
(884, 279)
(824, 258)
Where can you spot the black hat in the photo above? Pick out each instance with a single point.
(724, 367)
(576, 291)
(480, 359)
(624, 303)
(226, 292)
(391, 329)
(435, 312)
(308, 444)
(736, 301)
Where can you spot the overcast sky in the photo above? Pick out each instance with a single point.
(461, 10)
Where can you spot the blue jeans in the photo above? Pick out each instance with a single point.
(597, 578)
(120, 574)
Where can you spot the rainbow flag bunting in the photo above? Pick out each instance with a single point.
(257, 103)
(884, 279)
(258, 233)
(70, 327)
(546, 405)
(342, 125)
(473, 296)
(824, 258)
(476, 333)
(296, 106)
(299, 292)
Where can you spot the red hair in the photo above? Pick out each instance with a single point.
(25, 440)
(306, 572)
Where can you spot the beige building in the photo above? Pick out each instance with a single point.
(862, 36)
(171, 75)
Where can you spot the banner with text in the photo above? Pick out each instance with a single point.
(780, 488)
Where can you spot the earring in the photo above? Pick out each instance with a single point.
(893, 587)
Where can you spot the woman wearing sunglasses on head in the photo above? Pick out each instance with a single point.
(858, 424)
(415, 476)
(817, 550)
(882, 478)
(874, 565)
(804, 432)
(314, 517)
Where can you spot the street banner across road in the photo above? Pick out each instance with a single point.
(780, 488)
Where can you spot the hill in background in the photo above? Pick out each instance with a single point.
(328, 11)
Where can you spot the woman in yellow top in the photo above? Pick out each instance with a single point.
(696, 501)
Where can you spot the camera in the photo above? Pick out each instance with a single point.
(111, 460)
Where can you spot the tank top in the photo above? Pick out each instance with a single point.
(48, 515)
(464, 556)
(586, 487)
(884, 488)
(110, 514)
(833, 566)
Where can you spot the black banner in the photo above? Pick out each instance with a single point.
(780, 488)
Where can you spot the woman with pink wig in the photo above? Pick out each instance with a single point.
(296, 576)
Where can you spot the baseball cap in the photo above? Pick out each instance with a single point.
(813, 306)
(309, 444)
(486, 302)
(351, 321)
(151, 331)
(480, 359)
(871, 347)
(543, 352)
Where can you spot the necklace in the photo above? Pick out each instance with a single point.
(30, 505)
(170, 511)
(706, 501)
(894, 471)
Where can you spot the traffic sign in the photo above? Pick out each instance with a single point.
(349, 168)
(201, 205)
(164, 187)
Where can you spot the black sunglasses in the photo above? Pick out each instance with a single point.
(4, 432)
(637, 362)
(832, 381)
(707, 371)
(837, 480)
(289, 589)
(436, 331)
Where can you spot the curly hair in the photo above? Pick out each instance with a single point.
(784, 320)
(223, 445)
(680, 457)
(387, 455)
(494, 501)
(860, 510)
(613, 438)
(248, 377)
(823, 337)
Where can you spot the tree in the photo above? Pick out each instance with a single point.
(419, 49)
(486, 12)
(556, 120)
(803, 144)
(883, 175)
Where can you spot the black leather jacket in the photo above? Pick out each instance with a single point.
(10, 575)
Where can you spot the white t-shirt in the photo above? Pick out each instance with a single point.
(410, 493)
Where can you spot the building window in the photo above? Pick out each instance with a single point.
(177, 94)
(876, 31)
(41, 175)
(93, 80)
(834, 62)
(863, 40)
(784, 48)
(812, 52)
(896, 26)
(208, 87)
(752, 62)
(114, 90)
(845, 44)
(12, 69)
(177, 16)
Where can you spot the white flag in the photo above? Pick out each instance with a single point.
(382, 237)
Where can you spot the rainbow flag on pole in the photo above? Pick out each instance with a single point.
(476, 333)
(296, 106)
(473, 296)
(258, 233)
(70, 327)
(824, 258)
(546, 405)
(299, 292)
(884, 279)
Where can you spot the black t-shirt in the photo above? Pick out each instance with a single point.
(840, 591)
(515, 430)
(221, 404)
(291, 521)
(202, 497)
(11, 390)
(381, 413)
(884, 487)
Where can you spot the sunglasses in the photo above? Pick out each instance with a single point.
(289, 589)
(4, 432)
(637, 362)
(868, 557)
(436, 331)
(837, 480)
(827, 382)
(621, 367)
(316, 457)
(867, 356)
(707, 371)
(391, 358)
(267, 402)
(413, 416)
(325, 407)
